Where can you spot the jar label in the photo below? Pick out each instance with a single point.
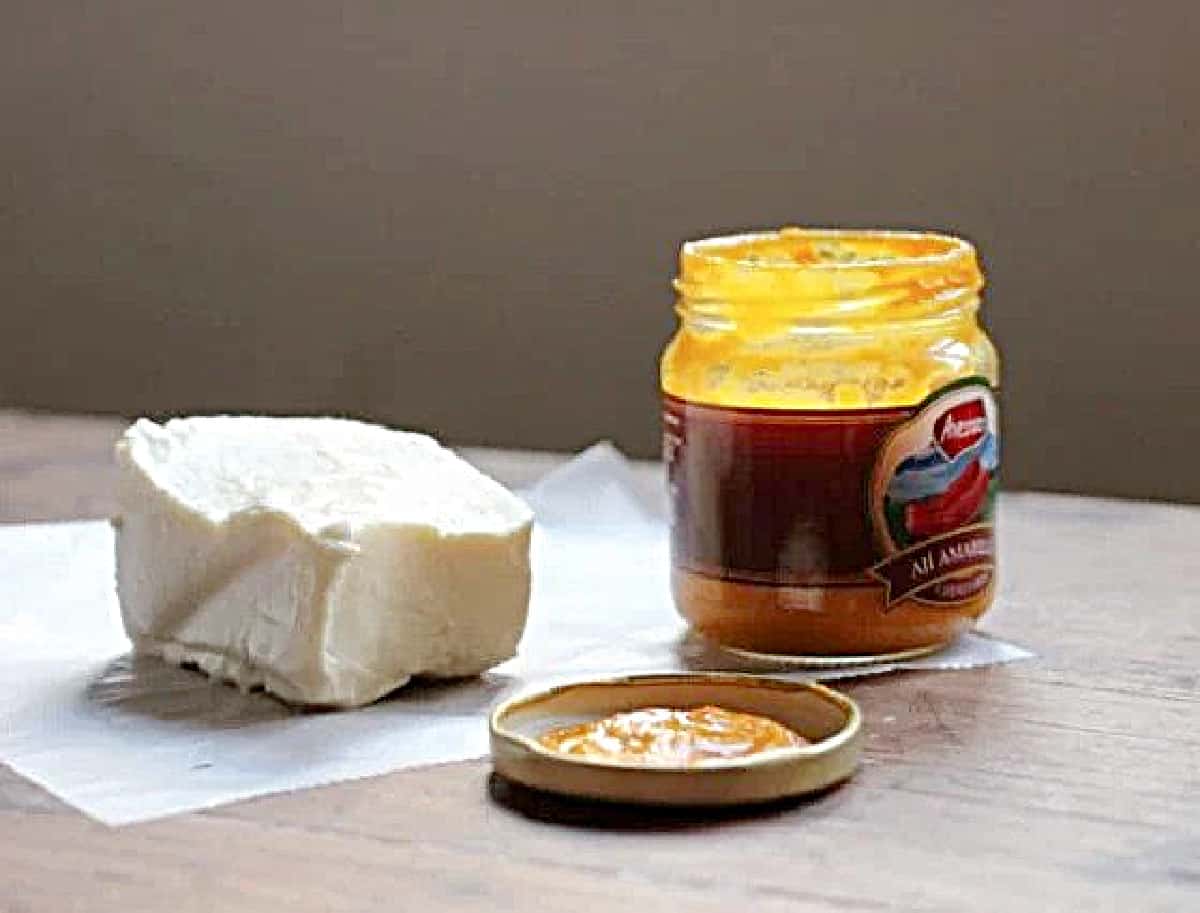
(932, 498)
(896, 498)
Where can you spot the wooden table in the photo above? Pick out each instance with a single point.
(1071, 782)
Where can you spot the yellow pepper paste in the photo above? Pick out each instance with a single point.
(831, 437)
(660, 736)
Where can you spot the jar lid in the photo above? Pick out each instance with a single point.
(829, 720)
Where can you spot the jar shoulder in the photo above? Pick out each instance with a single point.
(831, 370)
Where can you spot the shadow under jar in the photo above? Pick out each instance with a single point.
(831, 439)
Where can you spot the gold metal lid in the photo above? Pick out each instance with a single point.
(828, 719)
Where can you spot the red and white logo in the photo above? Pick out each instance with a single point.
(960, 428)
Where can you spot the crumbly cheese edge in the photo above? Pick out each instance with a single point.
(132, 453)
(230, 669)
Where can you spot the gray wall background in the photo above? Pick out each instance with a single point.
(463, 216)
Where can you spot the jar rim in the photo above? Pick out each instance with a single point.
(819, 275)
(942, 250)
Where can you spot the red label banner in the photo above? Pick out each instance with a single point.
(935, 570)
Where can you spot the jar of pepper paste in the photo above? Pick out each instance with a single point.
(831, 438)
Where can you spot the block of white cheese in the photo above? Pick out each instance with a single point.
(326, 560)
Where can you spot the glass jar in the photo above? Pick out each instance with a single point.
(831, 439)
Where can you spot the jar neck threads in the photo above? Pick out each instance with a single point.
(826, 278)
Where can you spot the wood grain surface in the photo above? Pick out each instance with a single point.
(1070, 782)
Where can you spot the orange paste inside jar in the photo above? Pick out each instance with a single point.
(830, 436)
(665, 737)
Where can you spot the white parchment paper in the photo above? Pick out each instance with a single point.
(127, 740)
